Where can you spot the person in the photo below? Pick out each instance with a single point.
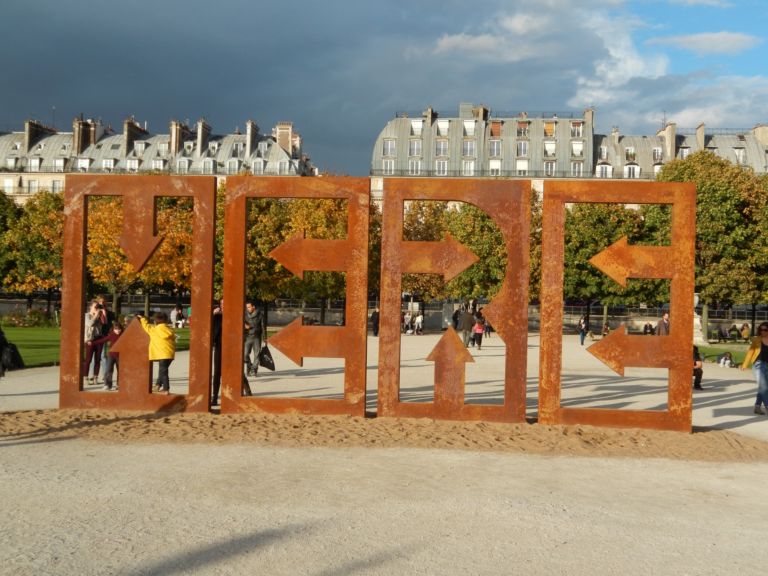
(606, 330)
(757, 357)
(466, 321)
(407, 323)
(112, 359)
(479, 329)
(733, 332)
(162, 348)
(418, 323)
(254, 326)
(725, 360)
(722, 334)
(10, 359)
(583, 329)
(745, 332)
(648, 329)
(375, 321)
(662, 328)
(698, 370)
(94, 320)
(455, 318)
(106, 326)
(216, 325)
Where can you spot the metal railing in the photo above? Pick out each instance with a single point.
(616, 175)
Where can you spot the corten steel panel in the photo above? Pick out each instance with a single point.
(298, 254)
(621, 261)
(139, 240)
(507, 202)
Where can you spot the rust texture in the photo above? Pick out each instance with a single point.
(139, 239)
(621, 261)
(507, 202)
(297, 255)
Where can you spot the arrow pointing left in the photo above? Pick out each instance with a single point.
(618, 350)
(297, 341)
(621, 261)
(298, 254)
(138, 239)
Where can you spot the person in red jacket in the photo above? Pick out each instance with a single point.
(112, 357)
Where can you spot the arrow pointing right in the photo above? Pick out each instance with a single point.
(448, 257)
(621, 261)
(138, 239)
(618, 350)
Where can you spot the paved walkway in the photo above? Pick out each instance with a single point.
(726, 402)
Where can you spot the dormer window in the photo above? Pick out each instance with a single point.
(684, 152)
(258, 166)
(214, 147)
(83, 164)
(233, 166)
(417, 127)
(263, 146)
(629, 153)
(139, 147)
(40, 146)
(390, 146)
(209, 166)
(182, 166)
(442, 127)
(603, 153)
(658, 155)
(741, 156)
(10, 163)
(132, 165)
(58, 165)
(158, 164)
(162, 148)
(238, 148)
(17, 145)
(107, 164)
(189, 145)
(34, 165)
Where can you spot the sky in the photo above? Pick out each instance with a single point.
(341, 69)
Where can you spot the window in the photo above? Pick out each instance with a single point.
(469, 127)
(468, 148)
(468, 168)
(658, 155)
(108, 164)
(684, 151)
(10, 163)
(741, 156)
(414, 148)
(494, 167)
(389, 147)
(629, 153)
(32, 186)
(604, 171)
(158, 164)
(57, 186)
(523, 129)
(522, 148)
(388, 167)
(521, 167)
(442, 127)
(496, 129)
(132, 164)
(577, 169)
(140, 147)
(549, 148)
(441, 147)
(282, 167)
(549, 168)
(233, 166)
(213, 147)
(495, 148)
(416, 127)
(34, 165)
(58, 164)
(631, 171)
(576, 129)
(163, 148)
(549, 129)
(238, 148)
(656, 169)
(263, 146)
(182, 166)
(414, 167)
(603, 153)
(8, 186)
(209, 166)
(441, 167)
(258, 166)
(577, 148)
(83, 164)
(115, 147)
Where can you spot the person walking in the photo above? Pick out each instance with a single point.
(162, 348)
(466, 322)
(254, 326)
(375, 321)
(757, 357)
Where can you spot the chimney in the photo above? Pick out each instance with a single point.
(429, 115)
(669, 133)
(131, 130)
(95, 130)
(589, 117)
(33, 131)
(700, 143)
(84, 133)
(615, 135)
(284, 136)
(203, 133)
(179, 132)
(251, 133)
(480, 113)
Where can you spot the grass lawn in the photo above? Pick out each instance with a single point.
(40, 346)
(737, 350)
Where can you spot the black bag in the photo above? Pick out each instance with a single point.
(10, 357)
(265, 358)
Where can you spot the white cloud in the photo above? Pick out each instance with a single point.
(710, 42)
(716, 3)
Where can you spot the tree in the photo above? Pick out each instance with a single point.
(34, 246)
(424, 221)
(9, 212)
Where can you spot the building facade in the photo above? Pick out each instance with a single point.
(478, 142)
(40, 157)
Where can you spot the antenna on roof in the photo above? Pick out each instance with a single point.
(664, 119)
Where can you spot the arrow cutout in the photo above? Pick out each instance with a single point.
(449, 356)
(621, 261)
(619, 350)
(448, 257)
(138, 239)
(297, 341)
(299, 254)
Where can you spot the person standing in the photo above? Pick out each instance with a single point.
(95, 318)
(112, 358)
(662, 328)
(698, 369)
(162, 348)
(418, 323)
(757, 357)
(375, 321)
(583, 329)
(253, 324)
(216, 345)
(466, 322)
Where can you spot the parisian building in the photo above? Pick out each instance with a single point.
(40, 157)
(540, 145)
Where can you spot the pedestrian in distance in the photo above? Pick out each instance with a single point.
(162, 348)
(757, 357)
(662, 328)
(698, 369)
(375, 321)
(583, 329)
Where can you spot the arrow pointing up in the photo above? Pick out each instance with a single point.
(134, 368)
(448, 257)
(297, 341)
(298, 254)
(618, 350)
(449, 356)
(138, 239)
(621, 261)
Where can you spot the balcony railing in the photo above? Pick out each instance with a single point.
(506, 174)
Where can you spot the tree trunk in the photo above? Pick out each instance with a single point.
(705, 320)
(146, 303)
(605, 317)
(323, 302)
(754, 316)
(116, 301)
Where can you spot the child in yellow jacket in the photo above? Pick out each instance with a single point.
(162, 348)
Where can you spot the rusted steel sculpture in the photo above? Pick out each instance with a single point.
(621, 261)
(139, 240)
(507, 202)
(297, 255)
